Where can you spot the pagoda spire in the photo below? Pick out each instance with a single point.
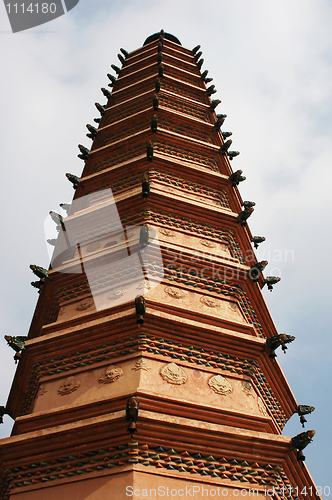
(150, 358)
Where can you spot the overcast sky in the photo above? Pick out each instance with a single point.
(271, 62)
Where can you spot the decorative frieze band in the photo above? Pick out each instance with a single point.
(118, 348)
(193, 462)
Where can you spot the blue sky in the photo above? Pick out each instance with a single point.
(272, 66)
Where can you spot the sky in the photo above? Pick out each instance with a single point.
(271, 63)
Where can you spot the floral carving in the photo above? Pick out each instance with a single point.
(71, 384)
(208, 243)
(209, 301)
(41, 390)
(116, 294)
(111, 374)
(176, 293)
(141, 364)
(220, 385)
(84, 304)
(173, 374)
(166, 232)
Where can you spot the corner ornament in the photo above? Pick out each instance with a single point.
(173, 374)
(220, 385)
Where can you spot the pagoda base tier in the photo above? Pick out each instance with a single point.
(85, 459)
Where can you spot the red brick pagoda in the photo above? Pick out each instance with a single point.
(149, 369)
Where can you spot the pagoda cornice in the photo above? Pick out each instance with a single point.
(145, 135)
(163, 113)
(62, 337)
(132, 66)
(179, 49)
(140, 122)
(197, 94)
(161, 165)
(180, 436)
(167, 100)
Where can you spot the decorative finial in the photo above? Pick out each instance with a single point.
(17, 344)
(116, 68)
(140, 309)
(93, 131)
(256, 270)
(112, 79)
(223, 149)
(121, 59)
(65, 206)
(211, 90)
(270, 281)
(132, 408)
(73, 179)
(100, 108)
(244, 215)
(304, 410)
(256, 240)
(85, 152)
(214, 104)
(149, 150)
(199, 64)
(154, 123)
(236, 178)
(106, 93)
(278, 340)
(301, 441)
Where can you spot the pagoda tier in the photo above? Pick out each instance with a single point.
(150, 301)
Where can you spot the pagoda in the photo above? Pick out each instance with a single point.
(149, 369)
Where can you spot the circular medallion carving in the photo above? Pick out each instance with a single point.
(84, 304)
(116, 294)
(209, 301)
(176, 293)
(111, 374)
(208, 244)
(69, 385)
(233, 306)
(92, 247)
(220, 385)
(173, 374)
(166, 232)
